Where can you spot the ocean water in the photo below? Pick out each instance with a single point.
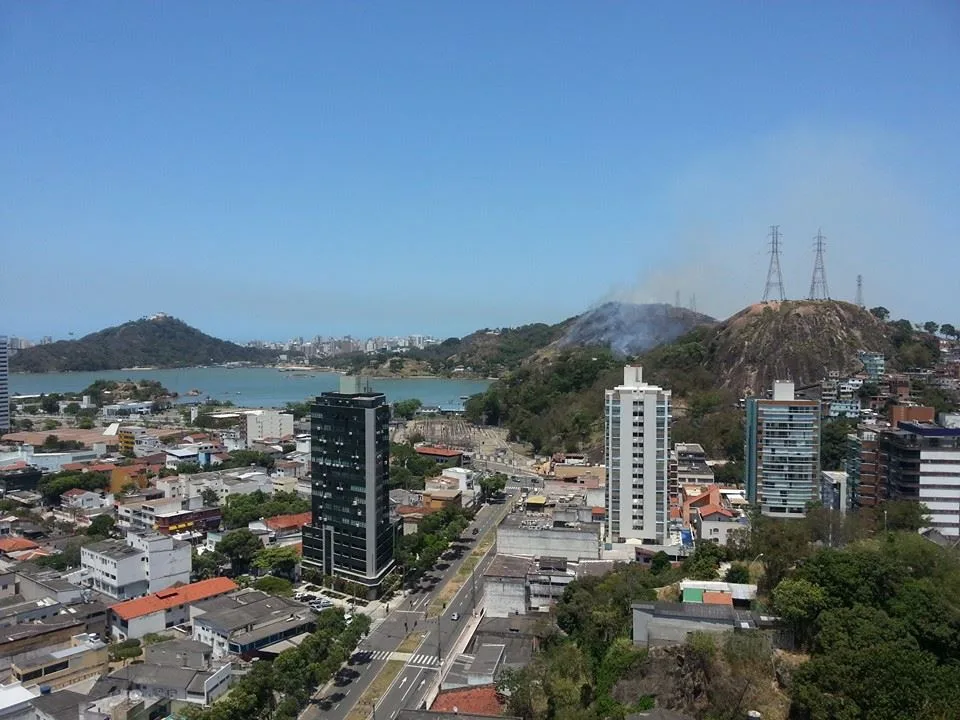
(251, 387)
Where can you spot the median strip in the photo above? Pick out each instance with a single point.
(376, 690)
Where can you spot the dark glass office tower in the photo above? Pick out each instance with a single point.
(350, 536)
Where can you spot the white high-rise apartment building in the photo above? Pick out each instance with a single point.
(637, 441)
(4, 385)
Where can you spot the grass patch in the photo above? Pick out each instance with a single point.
(411, 642)
(376, 690)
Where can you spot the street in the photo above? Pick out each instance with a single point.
(419, 672)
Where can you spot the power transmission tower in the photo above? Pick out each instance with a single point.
(693, 303)
(676, 302)
(818, 283)
(774, 276)
(859, 291)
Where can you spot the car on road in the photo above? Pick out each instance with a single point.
(476, 530)
(455, 617)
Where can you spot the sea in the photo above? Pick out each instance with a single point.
(253, 387)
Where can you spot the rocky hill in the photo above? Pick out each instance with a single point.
(158, 341)
(794, 340)
(630, 329)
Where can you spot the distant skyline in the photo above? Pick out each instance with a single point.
(266, 171)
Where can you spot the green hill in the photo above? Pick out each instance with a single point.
(158, 341)
(555, 401)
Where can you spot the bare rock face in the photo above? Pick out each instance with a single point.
(791, 340)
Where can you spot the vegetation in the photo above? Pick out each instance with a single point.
(274, 585)
(281, 689)
(208, 565)
(406, 409)
(408, 469)
(52, 443)
(124, 650)
(492, 485)
(104, 392)
(834, 443)
(239, 547)
(281, 560)
(419, 552)
(158, 342)
(52, 486)
(240, 510)
(101, 526)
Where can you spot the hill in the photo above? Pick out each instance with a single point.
(555, 401)
(158, 341)
(795, 340)
(630, 329)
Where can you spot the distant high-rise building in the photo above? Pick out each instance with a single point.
(920, 462)
(782, 452)
(637, 442)
(350, 535)
(4, 386)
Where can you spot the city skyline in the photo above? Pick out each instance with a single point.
(216, 163)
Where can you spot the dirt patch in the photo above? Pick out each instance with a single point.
(411, 642)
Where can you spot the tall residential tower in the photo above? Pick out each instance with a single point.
(637, 442)
(782, 452)
(4, 385)
(350, 535)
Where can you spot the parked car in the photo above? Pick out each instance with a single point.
(455, 617)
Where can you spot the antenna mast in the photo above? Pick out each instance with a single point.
(859, 300)
(818, 283)
(774, 276)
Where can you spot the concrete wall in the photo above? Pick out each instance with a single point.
(570, 544)
(139, 626)
(503, 597)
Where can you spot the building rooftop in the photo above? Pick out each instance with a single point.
(481, 701)
(232, 613)
(288, 522)
(62, 705)
(697, 611)
(509, 566)
(165, 599)
(438, 452)
(15, 544)
(115, 549)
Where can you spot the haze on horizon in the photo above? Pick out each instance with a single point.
(277, 170)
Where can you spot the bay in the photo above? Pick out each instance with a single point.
(252, 387)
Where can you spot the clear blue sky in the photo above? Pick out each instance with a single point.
(270, 169)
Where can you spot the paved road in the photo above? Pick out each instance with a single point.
(408, 615)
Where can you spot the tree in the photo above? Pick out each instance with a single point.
(50, 424)
(931, 327)
(880, 312)
(240, 546)
(274, 586)
(737, 573)
(188, 468)
(72, 409)
(904, 515)
(209, 564)
(949, 330)
(799, 602)
(834, 442)
(101, 525)
(209, 497)
(406, 409)
(85, 423)
(493, 485)
(660, 562)
(277, 560)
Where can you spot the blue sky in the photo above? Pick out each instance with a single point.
(271, 169)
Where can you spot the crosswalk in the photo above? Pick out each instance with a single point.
(423, 659)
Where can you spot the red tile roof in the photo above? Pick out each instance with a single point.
(479, 700)
(27, 555)
(440, 452)
(73, 492)
(172, 597)
(73, 466)
(708, 510)
(15, 543)
(288, 522)
(711, 597)
(16, 465)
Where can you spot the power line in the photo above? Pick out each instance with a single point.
(774, 276)
(818, 283)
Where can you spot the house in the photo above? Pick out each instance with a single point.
(85, 657)
(201, 687)
(442, 499)
(287, 528)
(162, 610)
(667, 623)
(78, 499)
(140, 564)
(441, 455)
(243, 622)
(10, 545)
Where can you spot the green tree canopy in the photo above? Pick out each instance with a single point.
(240, 546)
(280, 560)
(101, 526)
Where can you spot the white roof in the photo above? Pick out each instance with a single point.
(13, 695)
(740, 591)
(112, 429)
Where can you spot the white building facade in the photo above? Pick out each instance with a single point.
(637, 441)
(261, 424)
(142, 563)
(4, 385)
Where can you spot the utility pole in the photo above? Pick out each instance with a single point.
(774, 276)
(818, 283)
